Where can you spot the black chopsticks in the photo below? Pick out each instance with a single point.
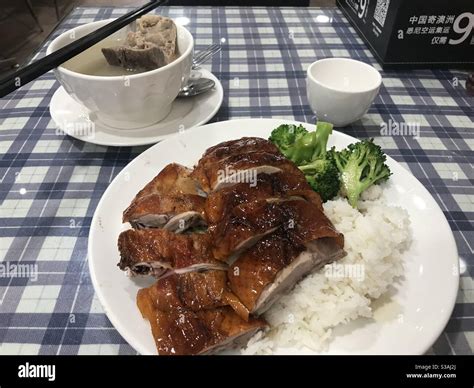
(43, 65)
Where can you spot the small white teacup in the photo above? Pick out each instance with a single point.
(341, 90)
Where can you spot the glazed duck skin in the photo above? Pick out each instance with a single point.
(172, 200)
(181, 331)
(172, 179)
(192, 290)
(241, 168)
(237, 147)
(159, 252)
(249, 222)
(277, 262)
(222, 151)
(220, 203)
(176, 213)
(195, 291)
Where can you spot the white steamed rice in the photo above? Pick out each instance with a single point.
(375, 238)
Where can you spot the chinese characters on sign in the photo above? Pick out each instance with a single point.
(441, 26)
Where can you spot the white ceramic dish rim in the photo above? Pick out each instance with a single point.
(124, 331)
(115, 78)
(329, 87)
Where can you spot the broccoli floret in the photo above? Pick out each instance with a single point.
(308, 150)
(323, 176)
(320, 142)
(312, 145)
(299, 145)
(360, 166)
(285, 136)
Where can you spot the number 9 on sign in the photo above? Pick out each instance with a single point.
(363, 6)
(466, 30)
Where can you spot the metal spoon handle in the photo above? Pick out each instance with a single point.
(196, 87)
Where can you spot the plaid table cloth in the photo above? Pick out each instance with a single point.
(50, 183)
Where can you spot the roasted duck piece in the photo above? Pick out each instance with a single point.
(224, 150)
(158, 252)
(195, 291)
(282, 184)
(191, 290)
(242, 168)
(277, 262)
(249, 222)
(173, 179)
(172, 200)
(181, 331)
(239, 146)
(176, 213)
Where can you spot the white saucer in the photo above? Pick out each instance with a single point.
(75, 120)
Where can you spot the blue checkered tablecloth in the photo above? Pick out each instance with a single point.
(50, 184)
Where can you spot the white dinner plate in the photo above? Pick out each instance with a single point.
(75, 120)
(425, 296)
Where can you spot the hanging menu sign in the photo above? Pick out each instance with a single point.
(415, 32)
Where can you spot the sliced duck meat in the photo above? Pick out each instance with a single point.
(172, 200)
(181, 331)
(282, 184)
(239, 146)
(317, 254)
(176, 213)
(276, 263)
(196, 291)
(241, 168)
(244, 145)
(159, 252)
(172, 179)
(249, 222)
